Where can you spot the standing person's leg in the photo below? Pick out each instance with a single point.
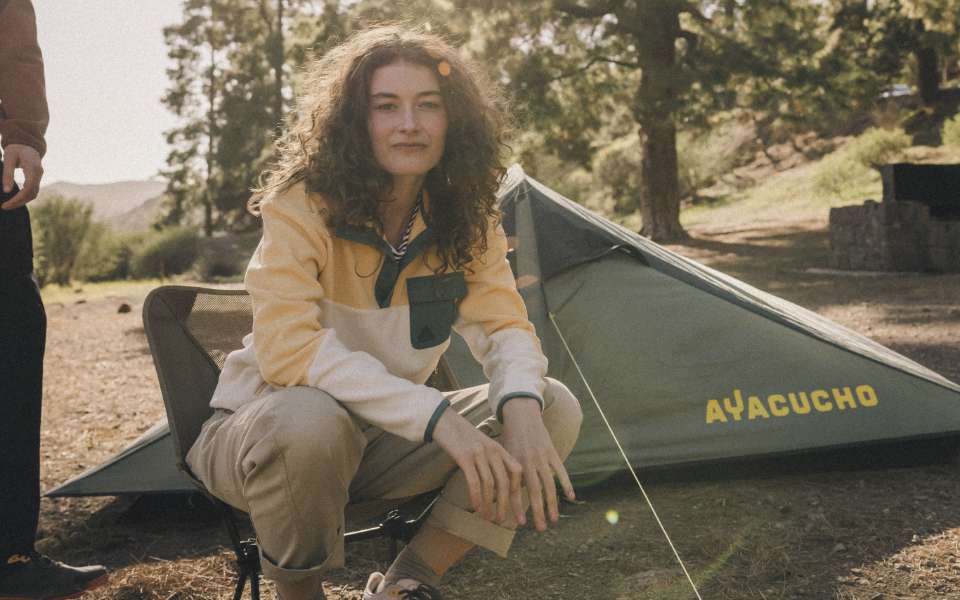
(395, 468)
(22, 336)
(24, 573)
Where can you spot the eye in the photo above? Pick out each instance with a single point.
(431, 104)
(385, 106)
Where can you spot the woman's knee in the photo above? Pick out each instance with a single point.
(308, 425)
(562, 416)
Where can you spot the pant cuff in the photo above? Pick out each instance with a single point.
(275, 572)
(471, 527)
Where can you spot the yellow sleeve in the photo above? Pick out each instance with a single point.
(493, 321)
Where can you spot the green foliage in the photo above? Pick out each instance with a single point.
(618, 169)
(224, 258)
(165, 253)
(877, 147)
(842, 173)
(832, 175)
(229, 88)
(582, 75)
(217, 267)
(59, 226)
(951, 131)
(105, 255)
(706, 155)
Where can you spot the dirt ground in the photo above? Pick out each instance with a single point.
(810, 531)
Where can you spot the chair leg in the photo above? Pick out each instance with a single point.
(241, 583)
(248, 567)
(255, 585)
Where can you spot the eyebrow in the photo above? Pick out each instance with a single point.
(419, 95)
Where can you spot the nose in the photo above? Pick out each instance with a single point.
(409, 121)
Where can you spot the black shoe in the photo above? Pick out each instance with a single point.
(35, 577)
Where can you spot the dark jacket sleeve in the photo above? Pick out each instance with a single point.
(23, 99)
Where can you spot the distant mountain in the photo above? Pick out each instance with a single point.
(126, 205)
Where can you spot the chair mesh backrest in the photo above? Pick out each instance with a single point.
(191, 330)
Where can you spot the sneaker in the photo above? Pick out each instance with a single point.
(407, 589)
(33, 576)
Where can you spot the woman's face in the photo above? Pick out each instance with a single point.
(407, 120)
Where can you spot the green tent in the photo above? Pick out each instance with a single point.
(689, 365)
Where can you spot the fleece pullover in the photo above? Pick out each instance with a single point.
(333, 310)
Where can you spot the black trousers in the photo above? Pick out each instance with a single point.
(23, 326)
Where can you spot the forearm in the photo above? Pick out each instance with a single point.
(23, 101)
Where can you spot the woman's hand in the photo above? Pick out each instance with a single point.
(493, 475)
(526, 439)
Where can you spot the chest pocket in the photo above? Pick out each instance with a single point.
(433, 307)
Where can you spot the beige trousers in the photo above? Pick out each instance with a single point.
(294, 458)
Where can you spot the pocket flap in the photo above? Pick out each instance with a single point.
(436, 288)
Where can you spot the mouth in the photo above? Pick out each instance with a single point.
(409, 146)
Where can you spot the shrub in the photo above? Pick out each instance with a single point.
(704, 156)
(950, 134)
(168, 252)
(841, 174)
(618, 168)
(60, 225)
(217, 267)
(876, 147)
(832, 176)
(105, 255)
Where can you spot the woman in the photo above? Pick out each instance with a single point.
(380, 233)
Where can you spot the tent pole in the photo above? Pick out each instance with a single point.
(556, 326)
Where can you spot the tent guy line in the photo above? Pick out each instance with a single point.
(556, 326)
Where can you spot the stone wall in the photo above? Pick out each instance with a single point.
(892, 236)
(943, 246)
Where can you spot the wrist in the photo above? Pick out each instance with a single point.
(519, 406)
(514, 397)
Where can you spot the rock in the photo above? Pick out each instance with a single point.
(838, 548)
(123, 308)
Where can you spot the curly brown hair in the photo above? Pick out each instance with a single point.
(328, 146)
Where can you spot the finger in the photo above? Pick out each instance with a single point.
(516, 491)
(503, 487)
(561, 472)
(549, 492)
(9, 166)
(473, 485)
(22, 197)
(16, 202)
(32, 174)
(487, 485)
(535, 491)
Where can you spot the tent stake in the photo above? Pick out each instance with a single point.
(553, 319)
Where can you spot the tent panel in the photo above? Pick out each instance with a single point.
(569, 235)
(146, 467)
(698, 378)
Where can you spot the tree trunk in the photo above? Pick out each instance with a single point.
(660, 205)
(654, 110)
(277, 56)
(928, 74)
(211, 138)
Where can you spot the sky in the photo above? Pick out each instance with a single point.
(105, 67)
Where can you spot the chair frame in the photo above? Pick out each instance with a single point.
(246, 552)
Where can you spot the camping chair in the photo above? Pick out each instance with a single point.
(190, 331)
